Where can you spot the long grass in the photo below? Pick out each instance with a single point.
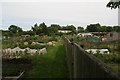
(51, 65)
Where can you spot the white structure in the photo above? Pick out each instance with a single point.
(99, 51)
(9, 50)
(85, 34)
(17, 49)
(64, 31)
(52, 43)
(34, 43)
(42, 51)
(16, 52)
(33, 51)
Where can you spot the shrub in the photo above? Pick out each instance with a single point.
(103, 46)
(108, 58)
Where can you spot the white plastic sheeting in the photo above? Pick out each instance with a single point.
(100, 51)
(16, 52)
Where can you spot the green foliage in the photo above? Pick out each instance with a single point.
(53, 29)
(116, 28)
(69, 27)
(80, 30)
(118, 46)
(51, 65)
(31, 33)
(93, 27)
(11, 43)
(60, 34)
(103, 46)
(8, 44)
(98, 28)
(15, 29)
(41, 29)
(13, 67)
(109, 29)
(109, 58)
(92, 39)
(6, 33)
(40, 39)
(77, 39)
(103, 28)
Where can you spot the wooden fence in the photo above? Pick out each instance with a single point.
(85, 66)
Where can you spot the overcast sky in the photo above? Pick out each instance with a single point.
(78, 13)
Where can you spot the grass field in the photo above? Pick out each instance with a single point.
(51, 65)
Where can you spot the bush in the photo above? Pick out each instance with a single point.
(109, 58)
(103, 46)
(13, 67)
(16, 61)
(31, 46)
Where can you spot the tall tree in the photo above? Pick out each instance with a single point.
(42, 28)
(116, 28)
(103, 29)
(80, 29)
(109, 29)
(93, 27)
(53, 29)
(14, 29)
(34, 28)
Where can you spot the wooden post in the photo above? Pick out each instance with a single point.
(119, 16)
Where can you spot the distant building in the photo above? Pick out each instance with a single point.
(64, 31)
(98, 34)
(85, 34)
(111, 36)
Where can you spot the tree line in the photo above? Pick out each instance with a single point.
(98, 28)
(38, 29)
(43, 29)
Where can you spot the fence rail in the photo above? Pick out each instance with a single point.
(83, 65)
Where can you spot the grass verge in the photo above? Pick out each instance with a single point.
(51, 65)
